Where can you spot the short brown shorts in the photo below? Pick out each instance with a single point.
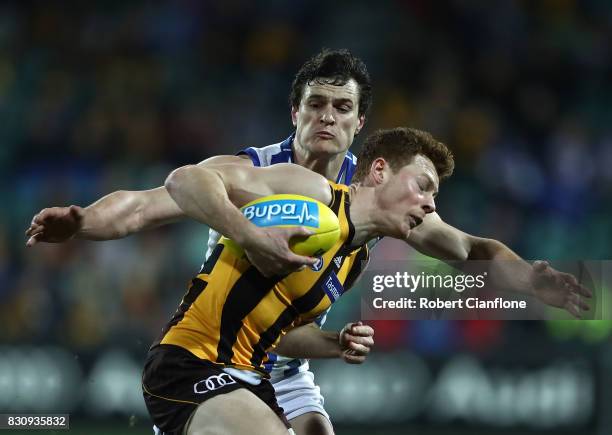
(175, 382)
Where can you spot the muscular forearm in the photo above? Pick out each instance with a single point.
(125, 212)
(507, 269)
(309, 341)
(122, 213)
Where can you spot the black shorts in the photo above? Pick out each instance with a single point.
(175, 382)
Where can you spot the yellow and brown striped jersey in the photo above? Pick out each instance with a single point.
(232, 314)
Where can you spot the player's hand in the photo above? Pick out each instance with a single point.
(55, 225)
(268, 250)
(559, 289)
(356, 341)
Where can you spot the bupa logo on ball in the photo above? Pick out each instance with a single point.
(283, 212)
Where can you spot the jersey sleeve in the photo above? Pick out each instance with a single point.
(252, 154)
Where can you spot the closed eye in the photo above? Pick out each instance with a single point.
(426, 184)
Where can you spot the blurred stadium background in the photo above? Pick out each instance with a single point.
(99, 96)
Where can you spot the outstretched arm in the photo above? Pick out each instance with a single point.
(211, 195)
(437, 239)
(114, 216)
(122, 213)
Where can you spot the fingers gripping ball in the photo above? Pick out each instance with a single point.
(286, 211)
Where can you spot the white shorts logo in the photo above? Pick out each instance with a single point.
(213, 383)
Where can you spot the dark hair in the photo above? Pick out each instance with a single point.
(333, 67)
(398, 146)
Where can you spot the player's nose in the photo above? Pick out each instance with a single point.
(429, 205)
(327, 117)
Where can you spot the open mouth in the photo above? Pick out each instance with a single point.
(415, 221)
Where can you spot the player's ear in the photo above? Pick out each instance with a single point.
(360, 124)
(379, 170)
(294, 111)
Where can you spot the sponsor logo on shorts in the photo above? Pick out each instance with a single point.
(318, 265)
(283, 212)
(213, 383)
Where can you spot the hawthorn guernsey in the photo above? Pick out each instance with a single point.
(290, 211)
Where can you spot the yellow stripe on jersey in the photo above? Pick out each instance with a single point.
(232, 314)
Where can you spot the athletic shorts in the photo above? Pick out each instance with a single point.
(298, 395)
(175, 382)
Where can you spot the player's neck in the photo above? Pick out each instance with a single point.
(364, 214)
(324, 164)
(368, 218)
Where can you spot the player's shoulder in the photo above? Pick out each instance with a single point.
(280, 152)
(291, 178)
(332, 192)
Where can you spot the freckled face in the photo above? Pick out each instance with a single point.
(327, 118)
(409, 194)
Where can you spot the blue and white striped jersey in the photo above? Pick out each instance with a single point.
(278, 366)
(282, 152)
